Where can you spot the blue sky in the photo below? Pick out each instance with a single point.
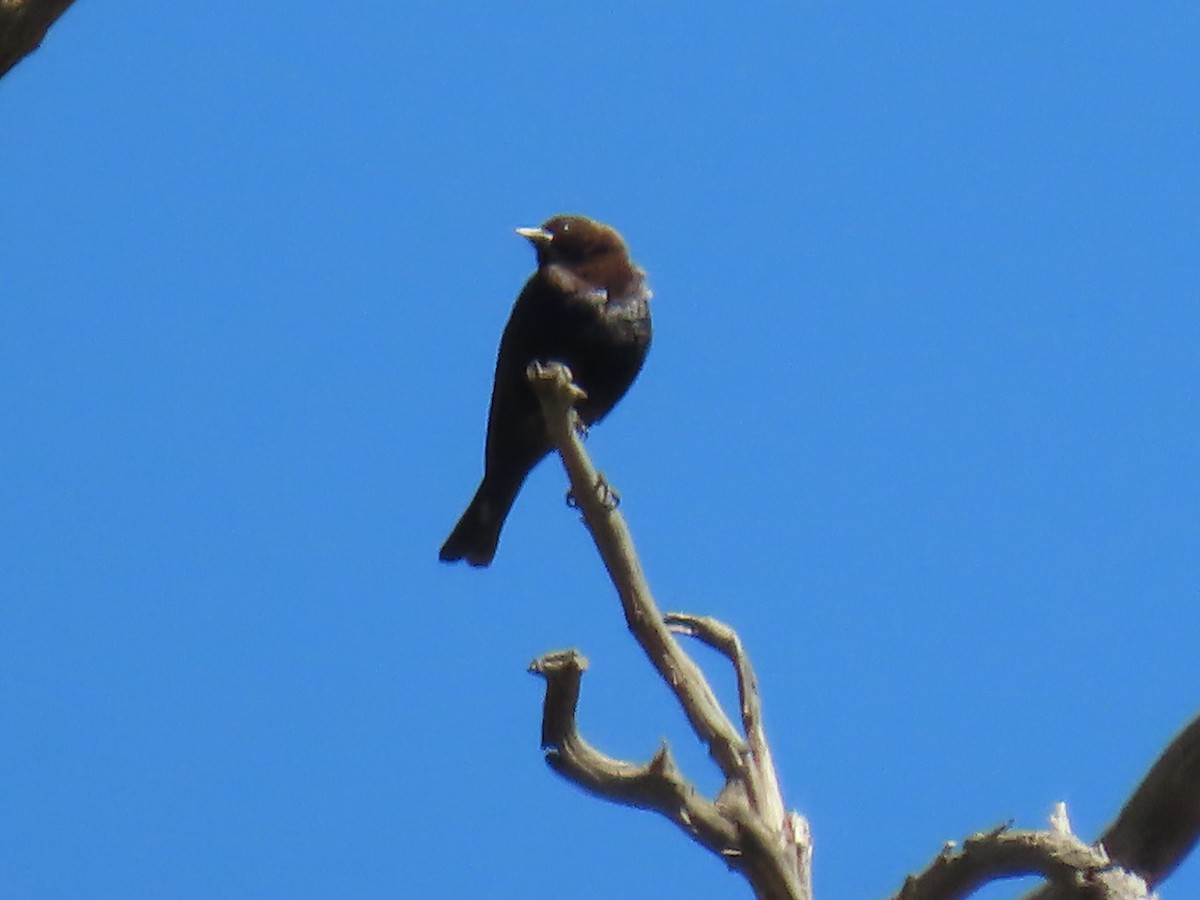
(920, 421)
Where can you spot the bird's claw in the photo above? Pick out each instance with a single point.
(605, 492)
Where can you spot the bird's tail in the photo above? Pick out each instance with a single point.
(477, 533)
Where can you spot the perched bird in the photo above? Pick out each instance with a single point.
(587, 306)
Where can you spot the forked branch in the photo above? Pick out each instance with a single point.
(746, 824)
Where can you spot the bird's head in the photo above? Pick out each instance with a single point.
(573, 241)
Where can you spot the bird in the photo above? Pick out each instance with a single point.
(587, 306)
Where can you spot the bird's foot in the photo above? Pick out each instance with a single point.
(606, 493)
(552, 370)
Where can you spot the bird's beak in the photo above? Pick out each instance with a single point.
(537, 236)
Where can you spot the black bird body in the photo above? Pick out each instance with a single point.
(587, 306)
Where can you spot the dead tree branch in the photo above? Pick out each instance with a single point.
(1153, 833)
(23, 26)
(657, 785)
(747, 824)
(762, 780)
(1160, 823)
(1068, 863)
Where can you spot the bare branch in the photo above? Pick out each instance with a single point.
(1078, 870)
(557, 394)
(657, 785)
(765, 795)
(725, 827)
(747, 824)
(23, 26)
(1159, 825)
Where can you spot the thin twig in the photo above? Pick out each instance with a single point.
(765, 794)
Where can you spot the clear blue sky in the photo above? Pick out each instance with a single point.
(920, 420)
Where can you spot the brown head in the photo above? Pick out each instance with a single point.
(577, 242)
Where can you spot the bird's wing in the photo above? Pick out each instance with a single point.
(574, 288)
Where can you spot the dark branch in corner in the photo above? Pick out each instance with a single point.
(747, 825)
(1159, 825)
(23, 26)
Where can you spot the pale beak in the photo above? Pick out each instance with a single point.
(537, 236)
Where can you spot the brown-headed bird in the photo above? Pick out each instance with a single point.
(587, 306)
